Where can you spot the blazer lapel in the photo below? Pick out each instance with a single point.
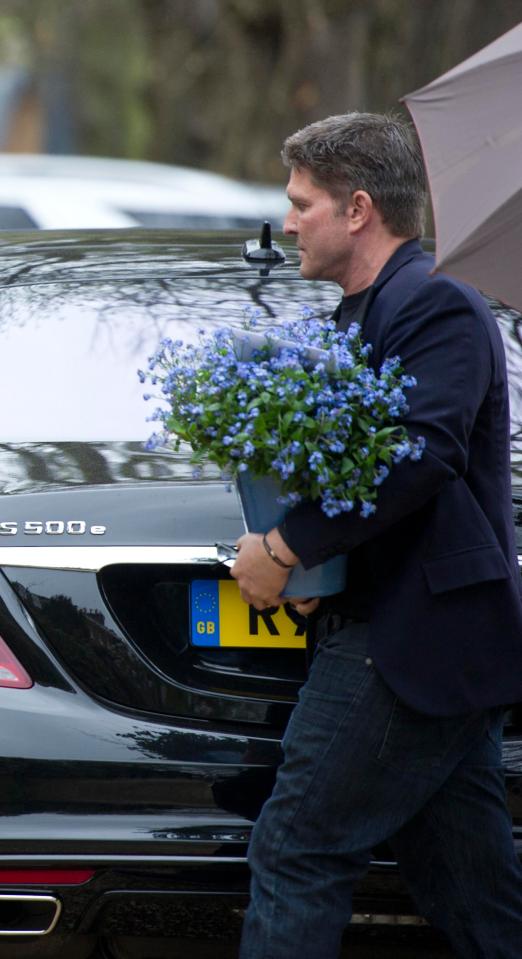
(403, 254)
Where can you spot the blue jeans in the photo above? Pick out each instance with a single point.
(360, 767)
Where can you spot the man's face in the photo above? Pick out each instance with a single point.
(324, 241)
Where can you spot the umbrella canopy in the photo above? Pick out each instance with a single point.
(469, 122)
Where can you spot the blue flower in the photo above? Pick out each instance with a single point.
(381, 475)
(336, 446)
(156, 440)
(417, 448)
(401, 451)
(317, 427)
(315, 460)
(285, 468)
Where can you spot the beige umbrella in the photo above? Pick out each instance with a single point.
(469, 122)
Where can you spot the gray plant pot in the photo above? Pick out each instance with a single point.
(261, 512)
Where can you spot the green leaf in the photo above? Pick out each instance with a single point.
(385, 432)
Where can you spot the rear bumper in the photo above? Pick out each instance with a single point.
(168, 895)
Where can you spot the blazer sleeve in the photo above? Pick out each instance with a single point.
(443, 341)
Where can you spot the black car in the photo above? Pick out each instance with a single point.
(137, 746)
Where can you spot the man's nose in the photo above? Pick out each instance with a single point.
(289, 225)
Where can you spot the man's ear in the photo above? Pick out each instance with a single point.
(359, 210)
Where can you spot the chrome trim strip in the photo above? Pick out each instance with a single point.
(384, 919)
(80, 858)
(24, 897)
(94, 558)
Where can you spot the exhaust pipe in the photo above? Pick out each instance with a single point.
(23, 914)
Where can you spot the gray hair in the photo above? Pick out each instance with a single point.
(366, 151)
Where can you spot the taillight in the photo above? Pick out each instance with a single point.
(12, 673)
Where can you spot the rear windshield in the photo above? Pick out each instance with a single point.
(71, 351)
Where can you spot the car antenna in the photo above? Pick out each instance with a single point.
(264, 251)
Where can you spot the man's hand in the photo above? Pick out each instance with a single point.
(260, 579)
(305, 606)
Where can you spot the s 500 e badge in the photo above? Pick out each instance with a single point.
(51, 527)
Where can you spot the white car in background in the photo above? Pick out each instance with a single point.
(63, 192)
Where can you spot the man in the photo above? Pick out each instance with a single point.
(396, 735)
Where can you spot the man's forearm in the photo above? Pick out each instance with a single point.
(315, 538)
(281, 551)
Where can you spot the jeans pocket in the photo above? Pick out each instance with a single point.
(417, 743)
(334, 688)
(350, 642)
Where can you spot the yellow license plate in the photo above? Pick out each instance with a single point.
(219, 617)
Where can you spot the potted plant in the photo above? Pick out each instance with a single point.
(296, 409)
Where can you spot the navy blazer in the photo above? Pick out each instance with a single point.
(446, 613)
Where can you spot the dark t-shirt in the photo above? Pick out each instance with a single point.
(350, 306)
